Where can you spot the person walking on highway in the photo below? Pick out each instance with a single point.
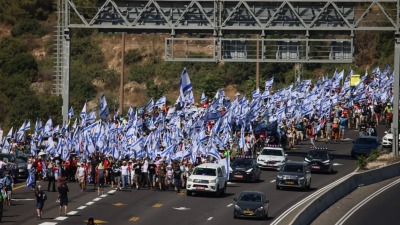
(100, 177)
(41, 197)
(51, 177)
(63, 197)
(177, 178)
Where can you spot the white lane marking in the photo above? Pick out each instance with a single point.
(89, 203)
(22, 199)
(72, 213)
(102, 196)
(365, 201)
(48, 223)
(318, 192)
(273, 181)
(61, 218)
(96, 199)
(210, 218)
(112, 191)
(229, 205)
(337, 164)
(230, 182)
(181, 208)
(82, 207)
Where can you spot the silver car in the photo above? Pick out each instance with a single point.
(294, 174)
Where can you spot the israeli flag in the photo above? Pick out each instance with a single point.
(269, 83)
(104, 112)
(185, 86)
(162, 101)
(203, 98)
(30, 181)
(71, 113)
(149, 106)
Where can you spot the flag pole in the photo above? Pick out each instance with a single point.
(258, 64)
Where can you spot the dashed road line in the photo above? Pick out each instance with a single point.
(72, 213)
(82, 207)
(61, 218)
(111, 191)
(89, 203)
(272, 181)
(210, 218)
(48, 223)
(229, 205)
(96, 199)
(134, 219)
(157, 205)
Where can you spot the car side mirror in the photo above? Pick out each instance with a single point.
(286, 155)
(235, 199)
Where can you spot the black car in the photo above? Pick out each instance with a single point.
(319, 159)
(22, 167)
(12, 164)
(245, 169)
(252, 204)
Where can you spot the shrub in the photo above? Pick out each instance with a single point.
(362, 162)
(27, 26)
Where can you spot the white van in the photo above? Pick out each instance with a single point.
(207, 177)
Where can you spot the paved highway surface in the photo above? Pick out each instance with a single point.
(155, 207)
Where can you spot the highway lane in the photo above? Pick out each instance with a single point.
(153, 207)
(149, 207)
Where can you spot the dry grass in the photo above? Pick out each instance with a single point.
(383, 160)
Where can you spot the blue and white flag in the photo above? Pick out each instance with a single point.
(185, 86)
(269, 83)
(149, 106)
(71, 113)
(161, 102)
(30, 181)
(104, 112)
(83, 115)
(203, 98)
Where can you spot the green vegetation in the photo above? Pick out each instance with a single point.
(31, 22)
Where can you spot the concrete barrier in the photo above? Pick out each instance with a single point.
(311, 211)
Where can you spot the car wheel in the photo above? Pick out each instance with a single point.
(309, 185)
(278, 187)
(235, 216)
(188, 193)
(223, 190)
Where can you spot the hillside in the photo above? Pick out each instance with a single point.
(26, 72)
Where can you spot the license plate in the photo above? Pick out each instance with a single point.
(315, 167)
(269, 164)
(200, 188)
(248, 212)
(289, 182)
(238, 176)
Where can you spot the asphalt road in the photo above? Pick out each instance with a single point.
(155, 207)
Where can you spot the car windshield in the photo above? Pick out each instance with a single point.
(204, 171)
(272, 152)
(241, 163)
(368, 141)
(250, 197)
(317, 155)
(292, 168)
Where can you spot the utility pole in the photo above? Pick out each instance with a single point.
(395, 123)
(121, 86)
(258, 64)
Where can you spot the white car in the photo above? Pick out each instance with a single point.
(207, 177)
(272, 158)
(388, 138)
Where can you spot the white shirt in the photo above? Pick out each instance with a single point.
(145, 167)
(81, 171)
(124, 170)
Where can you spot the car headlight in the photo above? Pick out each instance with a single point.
(237, 207)
(249, 170)
(306, 160)
(326, 162)
(190, 179)
(212, 181)
(279, 176)
(301, 178)
(261, 208)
